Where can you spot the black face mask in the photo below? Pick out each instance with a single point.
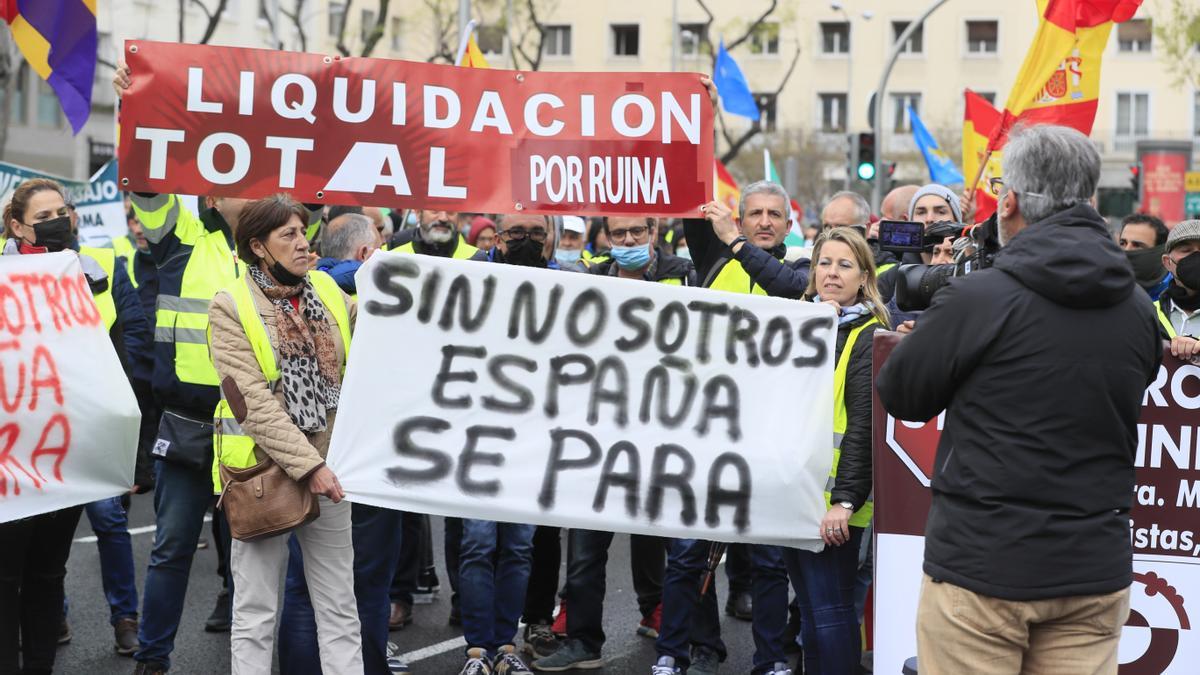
(283, 275)
(525, 252)
(1147, 264)
(1187, 271)
(54, 235)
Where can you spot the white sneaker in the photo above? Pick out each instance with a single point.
(665, 666)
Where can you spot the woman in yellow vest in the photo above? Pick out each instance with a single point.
(844, 277)
(279, 340)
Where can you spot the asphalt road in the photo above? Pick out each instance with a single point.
(433, 646)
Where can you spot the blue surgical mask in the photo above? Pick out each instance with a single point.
(684, 253)
(411, 219)
(566, 257)
(631, 258)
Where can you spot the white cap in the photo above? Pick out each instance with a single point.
(574, 224)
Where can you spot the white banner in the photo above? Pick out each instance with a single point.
(507, 393)
(68, 418)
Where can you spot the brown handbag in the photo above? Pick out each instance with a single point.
(263, 501)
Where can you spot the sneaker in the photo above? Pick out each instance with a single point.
(427, 582)
(508, 663)
(572, 655)
(665, 666)
(780, 668)
(148, 669)
(540, 641)
(125, 636)
(221, 618)
(395, 665)
(740, 605)
(650, 624)
(64, 631)
(477, 663)
(401, 616)
(704, 662)
(560, 622)
(455, 614)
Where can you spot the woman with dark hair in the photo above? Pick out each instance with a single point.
(280, 336)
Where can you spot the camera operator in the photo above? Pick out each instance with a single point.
(931, 204)
(1028, 558)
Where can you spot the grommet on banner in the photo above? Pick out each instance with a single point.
(132, 49)
(328, 60)
(520, 77)
(519, 206)
(320, 194)
(124, 181)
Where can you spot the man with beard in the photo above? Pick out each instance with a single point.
(1143, 237)
(436, 234)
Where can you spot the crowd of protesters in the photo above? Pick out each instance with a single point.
(242, 274)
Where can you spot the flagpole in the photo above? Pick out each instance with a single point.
(978, 174)
(766, 164)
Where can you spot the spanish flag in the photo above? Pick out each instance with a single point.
(980, 119)
(1059, 83)
(727, 187)
(473, 57)
(58, 39)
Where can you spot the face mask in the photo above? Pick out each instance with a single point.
(411, 219)
(565, 257)
(1187, 271)
(283, 275)
(683, 253)
(1147, 263)
(525, 252)
(54, 235)
(631, 258)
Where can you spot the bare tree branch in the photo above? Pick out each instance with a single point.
(297, 21)
(752, 27)
(376, 33)
(213, 18)
(535, 62)
(265, 12)
(341, 37)
(182, 7)
(443, 33)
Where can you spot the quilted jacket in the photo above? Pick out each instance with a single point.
(260, 411)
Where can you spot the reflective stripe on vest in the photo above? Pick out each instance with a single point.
(861, 517)
(461, 252)
(884, 268)
(231, 445)
(1164, 319)
(124, 249)
(733, 278)
(107, 261)
(183, 319)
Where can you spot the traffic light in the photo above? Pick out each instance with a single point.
(1135, 180)
(866, 156)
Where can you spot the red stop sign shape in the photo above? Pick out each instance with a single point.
(915, 443)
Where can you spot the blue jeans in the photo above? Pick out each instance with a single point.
(688, 618)
(493, 575)
(825, 587)
(110, 522)
(376, 538)
(770, 606)
(866, 572)
(181, 498)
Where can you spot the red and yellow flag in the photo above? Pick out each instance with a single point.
(473, 57)
(980, 119)
(727, 188)
(1059, 83)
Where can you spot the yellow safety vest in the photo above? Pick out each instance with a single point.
(461, 252)
(125, 249)
(231, 445)
(861, 517)
(104, 301)
(1164, 319)
(733, 278)
(883, 268)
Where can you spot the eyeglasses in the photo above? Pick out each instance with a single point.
(638, 232)
(519, 233)
(995, 184)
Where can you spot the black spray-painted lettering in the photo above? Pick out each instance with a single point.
(590, 302)
(559, 376)
(641, 329)
(707, 311)
(525, 304)
(446, 376)
(460, 295)
(618, 394)
(730, 409)
(673, 316)
(440, 464)
(743, 326)
(809, 336)
(658, 385)
(629, 480)
(524, 397)
(558, 463)
(661, 480)
(429, 291)
(779, 329)
(718, 496)
(471, 457)
(384, 278)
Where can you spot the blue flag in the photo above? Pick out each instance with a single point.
(732, 88)
(941, 167)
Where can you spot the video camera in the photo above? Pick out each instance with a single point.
(975, 248)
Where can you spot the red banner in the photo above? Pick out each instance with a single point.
(228, 121)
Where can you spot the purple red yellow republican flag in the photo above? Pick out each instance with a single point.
(1059, 83)
(58, 39)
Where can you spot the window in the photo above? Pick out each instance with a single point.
(692, 37)
(397, 34)
(766, 108)
(835, 37)
(989, 96)
(916, 41)
(833, 113)
(901, 122)
(1133, 118)
(558, 41)
(49, 113)
(491, 39)
(1134, 36)
(17, 107)
(624, 39)
(765, 39)
(337, 16)
(982, 37)
(1196, 114)
(366, 25)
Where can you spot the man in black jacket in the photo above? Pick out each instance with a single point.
(1041, 362)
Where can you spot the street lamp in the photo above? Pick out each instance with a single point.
(867, 16)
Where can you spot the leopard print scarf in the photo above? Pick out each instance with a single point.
(308, 360)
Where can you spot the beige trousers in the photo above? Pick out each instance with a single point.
(959, 631)
(258, 568)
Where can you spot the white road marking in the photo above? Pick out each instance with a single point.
(433, 650)
(132, 531)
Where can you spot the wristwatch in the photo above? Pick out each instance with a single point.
(846, 505)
